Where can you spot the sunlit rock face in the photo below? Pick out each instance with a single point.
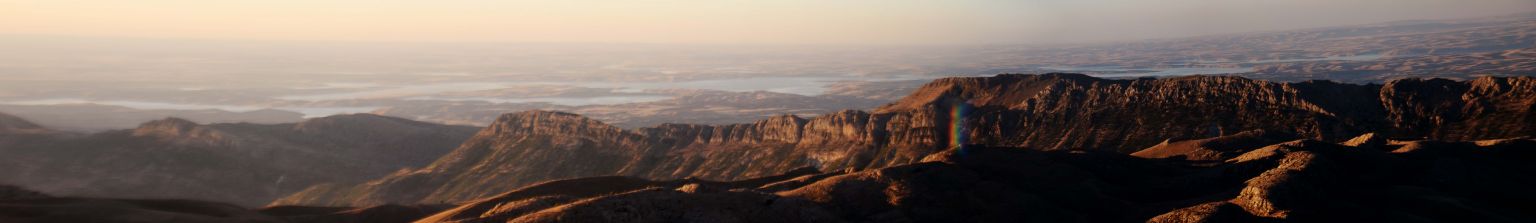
(1040, 112)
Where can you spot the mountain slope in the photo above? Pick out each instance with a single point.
(1044, 112)
(246, 164)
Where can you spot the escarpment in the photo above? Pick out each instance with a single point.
(1069, 111)
(1039, 112)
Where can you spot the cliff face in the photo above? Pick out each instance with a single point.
(247, 164)
(1482, 108)
(1062, 111)
(1043, 112)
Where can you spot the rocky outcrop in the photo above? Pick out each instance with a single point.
(1213, 149)
(246, 164)
(1366, 141)
(1043, 112)
(1277, 191)
(181, 132)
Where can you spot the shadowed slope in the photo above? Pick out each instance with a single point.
(34, 207)
(544, 195)
(1213, 149)
(1296, 181)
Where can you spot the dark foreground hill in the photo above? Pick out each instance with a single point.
(20, 205)
(1365, 179)
(1372, 180)
(1039, 112)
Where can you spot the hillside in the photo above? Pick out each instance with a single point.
(1293, 181)
(246, 164)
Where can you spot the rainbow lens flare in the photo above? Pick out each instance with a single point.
(958, 131)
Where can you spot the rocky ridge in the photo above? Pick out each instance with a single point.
(1043, 112)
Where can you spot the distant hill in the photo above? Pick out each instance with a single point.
(13, 124)
(246, 164)
(687, 106)
(96, 118)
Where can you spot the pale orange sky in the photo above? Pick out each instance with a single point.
(715, 21)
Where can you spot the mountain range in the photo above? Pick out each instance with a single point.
(1050, 147)
(98, 118)
(1049, 112)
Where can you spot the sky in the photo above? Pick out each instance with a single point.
(899, 22)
